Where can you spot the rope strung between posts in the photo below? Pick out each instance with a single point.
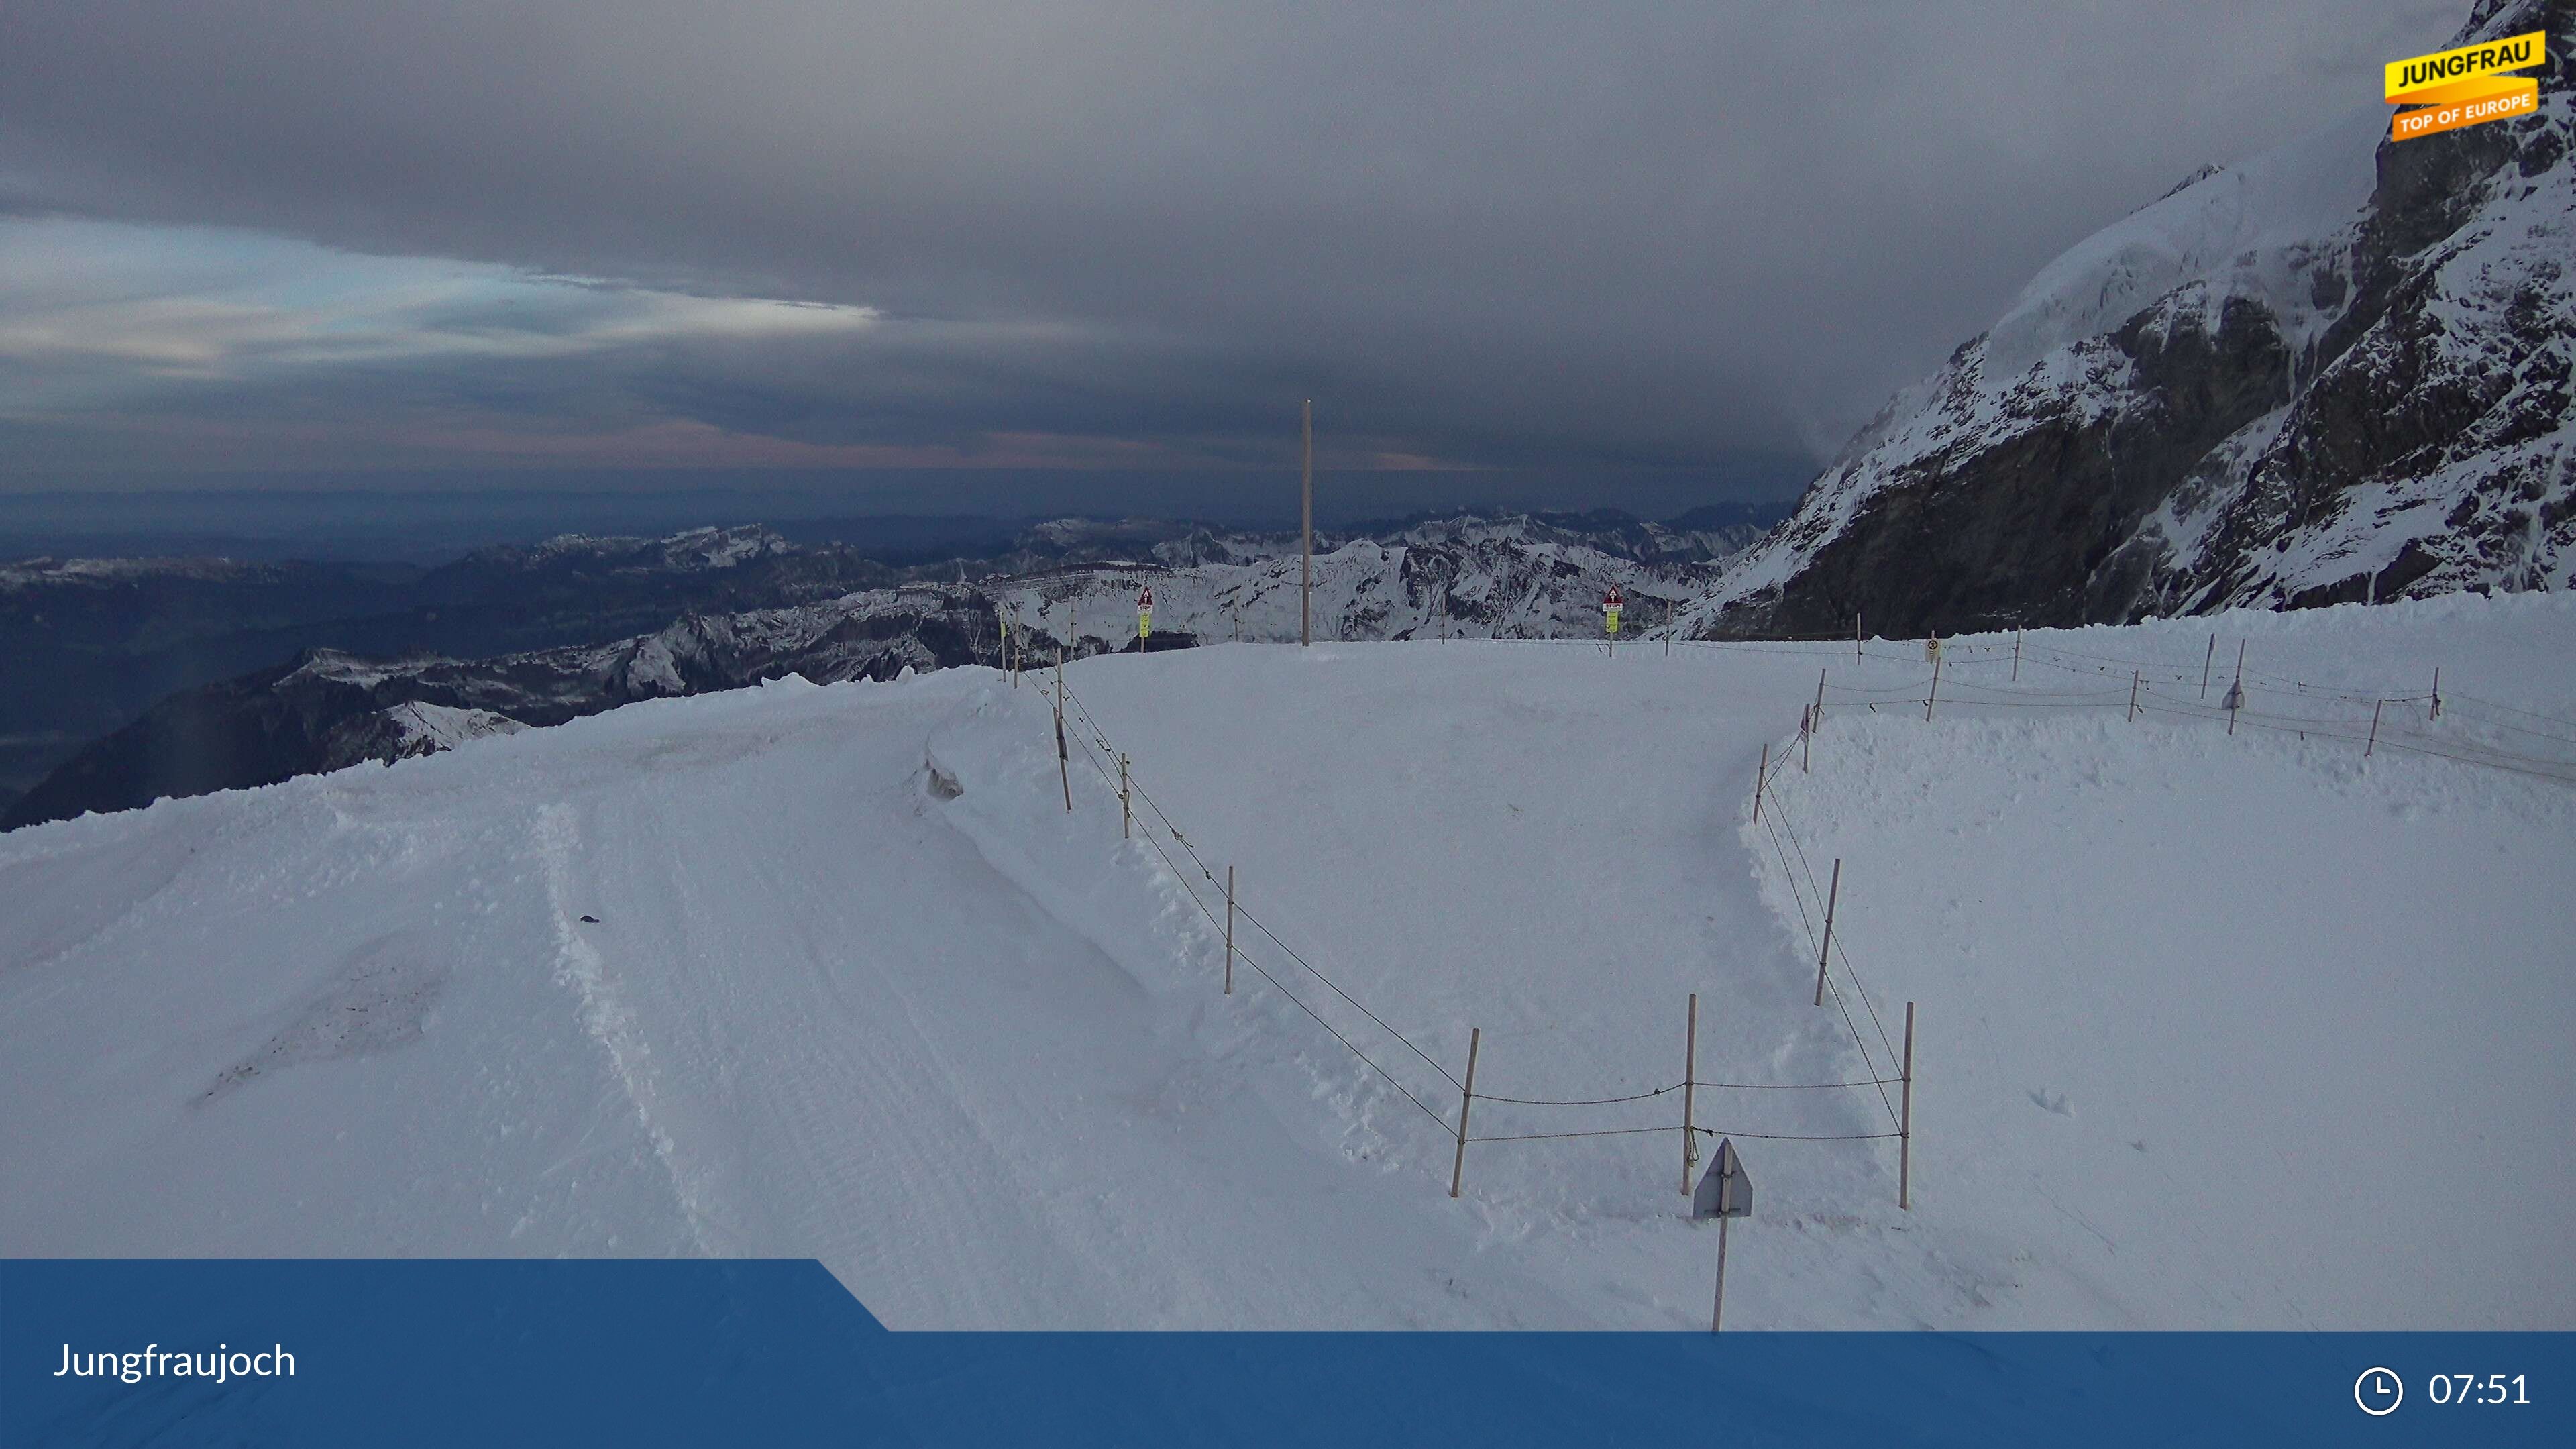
(1578, 1101)
(1699, 1131)
(1257, 924)
(1791, 827)
(1677, 1086)
(1779, 813)
(1246, 957)
(1097, 749)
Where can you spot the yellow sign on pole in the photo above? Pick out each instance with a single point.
(2467, 86)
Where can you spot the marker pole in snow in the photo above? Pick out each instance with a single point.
(1466, 1099)
(1126, 814)
(2017, 657)
(2133, 696)
(2236, 691)
(1724, 1194)
(1905, 1121)
(1855, 636)
(1935, 647)
(1229, 930)
(2376, 706)
(1063, 765)
(1690, 1070)
(1825, 947)
(2207, 657)
(1761, 777)
(2437, 693)
(1814, 717)
(1717, 1314)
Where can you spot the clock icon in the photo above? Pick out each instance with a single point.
(2378, 1391)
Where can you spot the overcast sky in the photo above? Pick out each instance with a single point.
(552, 234)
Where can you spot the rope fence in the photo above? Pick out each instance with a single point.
(2161, 688)
(1117, 773)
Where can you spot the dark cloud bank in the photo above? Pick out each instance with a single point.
(1560, 240)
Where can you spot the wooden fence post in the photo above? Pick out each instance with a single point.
(1063, 765)
(1466, 1099)
(1825, 948)
(1761, 777)
(1905, 1122)
(1229, 930)
(1717, 1312)
(1690, 1072)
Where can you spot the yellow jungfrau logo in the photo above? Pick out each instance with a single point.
(2465, 87)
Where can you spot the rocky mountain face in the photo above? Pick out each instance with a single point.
(1516, 576)
(2336, 372)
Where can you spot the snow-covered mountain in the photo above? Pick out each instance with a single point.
(2338, 371)
(834, 972)
(1517, 576)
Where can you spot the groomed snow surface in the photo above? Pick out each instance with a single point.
(2215, 1030)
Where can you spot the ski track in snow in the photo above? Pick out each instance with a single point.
(2197, 1010)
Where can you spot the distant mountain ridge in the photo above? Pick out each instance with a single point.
(722, 608)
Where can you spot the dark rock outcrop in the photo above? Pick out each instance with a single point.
(2264, 389)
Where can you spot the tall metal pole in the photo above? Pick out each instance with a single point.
(1229, 930)
(1905, 1123)
(1824, 948)
(1690, 1070)
(1466, 1099)
(1306, 566)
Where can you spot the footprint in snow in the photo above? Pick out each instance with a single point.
(2048, 1101)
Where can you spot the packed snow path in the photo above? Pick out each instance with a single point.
(2217, 1031)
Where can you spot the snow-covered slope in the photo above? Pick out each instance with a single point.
(2337, 371)
(832, 971)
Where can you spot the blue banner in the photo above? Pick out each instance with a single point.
(761, 1353)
